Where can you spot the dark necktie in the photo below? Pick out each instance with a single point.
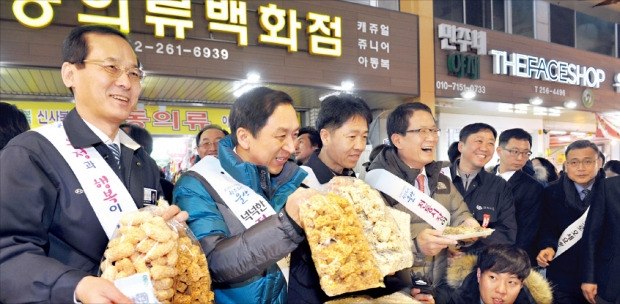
(116, 152)
(585, 193)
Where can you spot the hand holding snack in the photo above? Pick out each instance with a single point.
(295, 199)
(167, 251)
(431, 242)
(176, 213)
(97, 290)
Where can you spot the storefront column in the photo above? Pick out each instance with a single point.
(424, 10)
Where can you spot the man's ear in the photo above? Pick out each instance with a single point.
(243, 138)
(395, 138)
(68, 73)
(461, 146)
(478, 274)
(324, 136)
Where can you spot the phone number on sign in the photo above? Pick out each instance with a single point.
(455, 86)
(172, 49)
(547, 91)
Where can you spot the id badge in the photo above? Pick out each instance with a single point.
(150, 196)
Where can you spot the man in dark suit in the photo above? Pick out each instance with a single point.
(601, 269)
(514, 151)
(565, 203)
(55, 216)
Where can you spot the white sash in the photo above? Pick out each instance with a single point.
(409, 196)
(248, 206)
(106, 193)
(572, 234)
(311, 180)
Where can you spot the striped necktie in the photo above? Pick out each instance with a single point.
(117, 154)
(585, 193)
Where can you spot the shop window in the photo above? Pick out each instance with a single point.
(449, 10)
(523, 18)
(594, 35)
(485, 13)
(562, 25)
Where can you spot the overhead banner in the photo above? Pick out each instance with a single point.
(293, 42)
(158, 120)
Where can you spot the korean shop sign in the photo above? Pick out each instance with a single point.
(527, 66)
(292, 42)
(461, 41)
(324, 31)
(158, 120)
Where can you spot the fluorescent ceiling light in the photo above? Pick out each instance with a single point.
(347, 85)
(253, 77)
(536, 101)
(570, 104)
(577, 133)
(243, 89)
(557, 132)
(468, 94)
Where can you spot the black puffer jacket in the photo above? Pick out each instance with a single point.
(462, 277)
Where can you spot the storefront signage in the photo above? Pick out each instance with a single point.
(527, 66)
(289, 42)
(158, 120)
(466, 39)
(519, 69)
(368, 41)
(280, 26)
(460, 65)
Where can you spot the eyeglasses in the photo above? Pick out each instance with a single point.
(112, 67)
(426, 132)
(208, 144)
(516, 153)
(586, 162)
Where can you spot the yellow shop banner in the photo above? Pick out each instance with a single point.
(158, 120)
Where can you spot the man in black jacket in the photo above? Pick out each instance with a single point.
(602, 265)
(488, 197)
(343, 126)
(565, 206)
(513, 151)
(64, 186)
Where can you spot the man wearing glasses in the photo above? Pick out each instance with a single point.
(514, 151)
(488, 196)
(566, 204)
(207, 140)
(64, 186)
(410, 158)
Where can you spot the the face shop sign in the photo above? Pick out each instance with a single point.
(617, 83)
(527, 66)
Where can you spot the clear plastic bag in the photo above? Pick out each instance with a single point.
(386, 229)
(167, 250)
(340, 251)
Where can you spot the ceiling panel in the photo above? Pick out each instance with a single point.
(46, 84)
